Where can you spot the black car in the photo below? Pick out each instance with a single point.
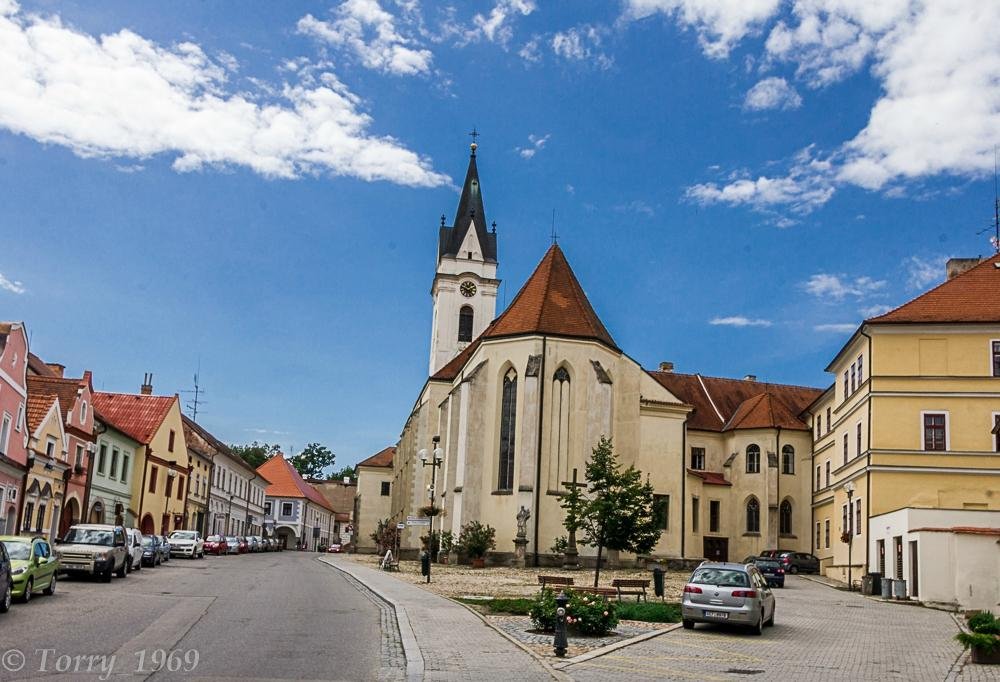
(798, 562)
(772, 570)
(6, 579)
(151, 553)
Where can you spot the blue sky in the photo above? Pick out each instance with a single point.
(257, 189)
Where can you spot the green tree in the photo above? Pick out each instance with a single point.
(255, 453)
(312, 460)
(615, 511)
(346, 472)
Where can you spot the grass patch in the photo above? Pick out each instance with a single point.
(653, 612)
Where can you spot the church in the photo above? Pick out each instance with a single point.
(516, 402)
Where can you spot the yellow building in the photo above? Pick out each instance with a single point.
(906, 444)
(373, 501)
(48, 462)
(162, 466)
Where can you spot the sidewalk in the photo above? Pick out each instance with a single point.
(453, 642)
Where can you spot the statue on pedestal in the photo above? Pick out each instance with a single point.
(521, 539)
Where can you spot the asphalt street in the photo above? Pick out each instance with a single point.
(252, 617)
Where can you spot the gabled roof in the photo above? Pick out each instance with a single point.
(37, 408)
(470, 212)
(380, 459)
(728, 404)
(38, 367)
(67, 389)
(551, 302)
(973, 296)
(286, 482)
(137, 416)
(193, 431)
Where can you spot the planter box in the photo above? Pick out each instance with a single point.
(986, 657)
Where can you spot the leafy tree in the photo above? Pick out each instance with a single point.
(312, 460)
(256, 453)
(346, 472)
(615, 511)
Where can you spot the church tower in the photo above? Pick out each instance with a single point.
(465, 284)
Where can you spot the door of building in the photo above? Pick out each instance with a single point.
(716, 549)
(881, 558)
(913, 569)
(898, 542)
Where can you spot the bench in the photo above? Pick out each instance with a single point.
(630, 587)
(389, 562)
(606, 592)
(546, 580)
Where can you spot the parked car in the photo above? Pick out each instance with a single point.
(798, 562)
(335, 548)
(94, 549)
(164, 548)
(242, 544)
(253, 543)
(233, 545)
(187, 543)
(33, 566)
(772, 570)
(151, 555)
(6, 580)
(133, 539)
(723, 592)
(216, 544)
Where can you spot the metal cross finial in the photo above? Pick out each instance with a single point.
(474, 135)
(554, 235)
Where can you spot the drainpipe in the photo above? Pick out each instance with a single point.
(538, 457)
(777, 485)
(208, 498)
(99, 428)
(246, 513)
(142, 488)
(684, 437)
(868, 463)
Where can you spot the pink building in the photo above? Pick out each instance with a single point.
(13, 432)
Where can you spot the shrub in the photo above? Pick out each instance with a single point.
(432, 542)
(384, 536)
(585, 614)
(985, 623)
(476, 539)
(649, 613)
(560, 545)
(979, 640)
(447, 541)
(543, 611)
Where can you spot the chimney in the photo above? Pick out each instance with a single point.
(666, 367)
(56, 368)
(956, 266)
(750, 377)
(147, 384)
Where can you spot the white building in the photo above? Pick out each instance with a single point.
(295, 512)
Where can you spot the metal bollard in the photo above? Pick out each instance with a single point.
(559, 643)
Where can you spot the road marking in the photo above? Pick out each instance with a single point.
(163, 633)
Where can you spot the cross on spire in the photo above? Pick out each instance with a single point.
(554, 235)
(475, 136)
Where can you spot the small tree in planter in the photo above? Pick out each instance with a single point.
(984, 640)
(475, 540)
(447, 545)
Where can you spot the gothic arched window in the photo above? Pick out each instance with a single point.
(753, 459)
(508, 407)
(785, 518)
(559, 450)
(788, 460)
(753, 515)
(465, 317)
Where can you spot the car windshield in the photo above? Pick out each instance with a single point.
(147, 541)
(214, 538)
(230, 539)
(18, 551)
(721, 577)
(88, 536)
(183, 535)
(767, 564)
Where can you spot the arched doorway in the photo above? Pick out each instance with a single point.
(97, 513)
(11, 521)
(287, 537)
(70, 515)
(147, 527)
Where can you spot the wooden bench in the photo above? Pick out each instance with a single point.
(630, 587)
(606, 592)
(546, 580)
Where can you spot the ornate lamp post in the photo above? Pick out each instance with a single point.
(849, 489)
(433, 460)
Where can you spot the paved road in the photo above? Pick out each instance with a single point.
(258, 616)
(820, 634)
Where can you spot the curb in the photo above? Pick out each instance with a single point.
(411, 651)
(582, 658)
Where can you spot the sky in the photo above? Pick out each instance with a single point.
(254, 189)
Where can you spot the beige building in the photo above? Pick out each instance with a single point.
(374, 496)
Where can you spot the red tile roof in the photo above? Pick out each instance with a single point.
(961, 530)
(66, 389)
(973, 296)
(39, 405)
(551, 302)
(710, 477)
(38, 366)
(728, 404)
(137, 416)
(286, 482)
(380, 459)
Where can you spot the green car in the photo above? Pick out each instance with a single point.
(33, 565)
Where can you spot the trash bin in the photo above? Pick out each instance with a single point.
(871, 584)
(425, 563)
(658, 573)
(899, 589)
(886, 588)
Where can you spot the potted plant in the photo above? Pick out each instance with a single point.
(430, 510)
(984, 638)
(447, 544)
(475, 540)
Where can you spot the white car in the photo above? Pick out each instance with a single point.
(187, 543)
(133, 543)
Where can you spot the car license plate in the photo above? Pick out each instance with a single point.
(716, 614)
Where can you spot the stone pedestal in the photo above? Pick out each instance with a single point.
(571, 557)
(520, 552)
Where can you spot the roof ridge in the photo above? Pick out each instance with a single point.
(710, 401)
(741, 381)
(948, 281)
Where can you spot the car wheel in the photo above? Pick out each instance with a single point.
(758, 629)
(688, 624)
(123, 571)
(5, 602)
(51, 589)
(770, 621)
(106, 576)
(26, 597)
(138, 566)
(793, 570)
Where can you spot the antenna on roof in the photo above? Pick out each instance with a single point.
(198, 391)
(554, 235)
(995, 239)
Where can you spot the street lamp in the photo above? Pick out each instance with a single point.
(432, 460)
(849, 489)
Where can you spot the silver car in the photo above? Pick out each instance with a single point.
(720, 592)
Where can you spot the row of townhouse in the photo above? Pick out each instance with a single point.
(70, 454)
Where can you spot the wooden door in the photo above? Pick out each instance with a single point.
(716, 549)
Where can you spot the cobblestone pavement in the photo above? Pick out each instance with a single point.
(521, 629)
(391, 659)
(819, 634)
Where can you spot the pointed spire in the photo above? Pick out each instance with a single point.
(470, 212)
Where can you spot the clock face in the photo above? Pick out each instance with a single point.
(468, 289)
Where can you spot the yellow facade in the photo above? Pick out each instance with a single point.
(159, 478)
(45, 490)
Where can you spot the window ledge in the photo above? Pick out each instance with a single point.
(751, 535)
(789, 536)
(502, 492)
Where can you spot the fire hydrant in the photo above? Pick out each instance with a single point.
(559, 643)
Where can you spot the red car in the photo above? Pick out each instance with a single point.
(334, 548)
(216, 544)
(244, 545)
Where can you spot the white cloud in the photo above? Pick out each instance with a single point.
(11, 285)
(720, 23)
(535, 143)
(875, 310)
(838, 287)
(739, 321)
(368, 31)
(570, 189)
(530, 51)
(922, 272)
(495, 27)
(581, 43)
(122, 96)
(844, 328)
(636, 206)
(772, 93)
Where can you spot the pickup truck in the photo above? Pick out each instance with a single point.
(94, 549)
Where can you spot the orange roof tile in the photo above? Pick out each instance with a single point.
(67, 389)
(38, 406)
(380, 459)
(287, 482)
(710, 477)
(137, 416)
(973, 296)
